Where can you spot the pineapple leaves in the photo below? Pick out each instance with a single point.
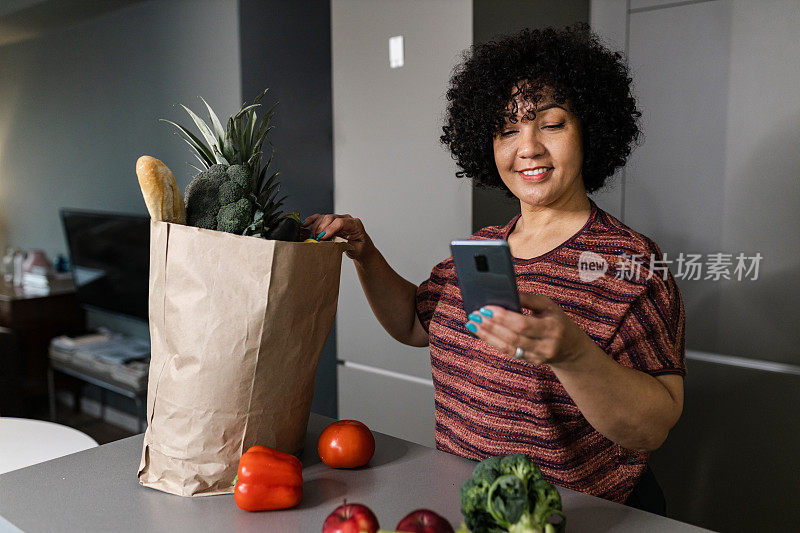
(244, 110)
(201, 149)
(270, 190)
(240, 142)
(221, 159)
(202, 162)
(208, 135)
(235, 140)
(260, 96)
(248, 135)
(262, 185)
(218, 130)
(261, 175)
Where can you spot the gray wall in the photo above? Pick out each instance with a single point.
(762, 181)
(718, 172)
(285, 45)
(26, 19)
(731, 462)
(391, 171)
(79, 106)
(718, 169)
(680, 168)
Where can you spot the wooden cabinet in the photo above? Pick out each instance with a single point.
(30, 322)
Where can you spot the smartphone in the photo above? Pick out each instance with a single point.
(485, 272)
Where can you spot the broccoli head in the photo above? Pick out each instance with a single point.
(509, 494)
(202, 197)
(487, 470)
(239, 175)
(218, 198)
(231, 192)
(473, 507)
(519, 465)
(545, 499)
(235, 217)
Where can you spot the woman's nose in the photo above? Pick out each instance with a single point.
(530, 144)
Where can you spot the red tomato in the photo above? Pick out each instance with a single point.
(346, 444)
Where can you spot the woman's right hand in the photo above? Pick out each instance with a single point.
(343, 226)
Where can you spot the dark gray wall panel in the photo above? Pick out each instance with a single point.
(731, 462)
(286, 46)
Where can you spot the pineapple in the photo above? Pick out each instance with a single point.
(231, 191)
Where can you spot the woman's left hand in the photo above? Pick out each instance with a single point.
(546, 336)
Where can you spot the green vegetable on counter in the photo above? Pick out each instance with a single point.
(509, 494)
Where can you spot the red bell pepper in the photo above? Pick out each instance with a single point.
(268, 479)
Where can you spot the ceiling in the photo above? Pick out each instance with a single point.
(27, 19)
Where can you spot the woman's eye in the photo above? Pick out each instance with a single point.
(507, 133)
(554, 126)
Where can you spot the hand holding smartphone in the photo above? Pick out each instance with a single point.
(485, 271)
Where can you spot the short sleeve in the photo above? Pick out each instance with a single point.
(651, 337)
(429, 292)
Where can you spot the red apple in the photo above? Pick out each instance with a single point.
(424, 521)
(351, 518)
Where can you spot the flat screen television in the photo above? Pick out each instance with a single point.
(110, 256)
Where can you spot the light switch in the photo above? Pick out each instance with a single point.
(396, 51)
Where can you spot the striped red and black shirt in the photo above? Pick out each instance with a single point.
(488, 403)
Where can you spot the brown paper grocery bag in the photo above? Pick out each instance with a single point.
(237, 326)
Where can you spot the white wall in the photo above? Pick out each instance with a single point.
(79, 106)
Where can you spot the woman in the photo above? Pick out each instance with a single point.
(589, 378)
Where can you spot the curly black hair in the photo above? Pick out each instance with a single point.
(570, 65)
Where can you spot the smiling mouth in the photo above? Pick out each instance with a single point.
(536, 174)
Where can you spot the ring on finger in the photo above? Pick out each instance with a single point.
(519, 354)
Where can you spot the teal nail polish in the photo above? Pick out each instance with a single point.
(475, 318)
(486, 312)
(472, 327)
(320, 235)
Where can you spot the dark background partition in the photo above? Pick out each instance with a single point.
(493, 18)
(286, 46)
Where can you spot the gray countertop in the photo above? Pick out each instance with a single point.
(97, 490)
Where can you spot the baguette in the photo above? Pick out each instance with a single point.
(161, 193)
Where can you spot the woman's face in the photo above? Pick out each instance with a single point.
(540, 160)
